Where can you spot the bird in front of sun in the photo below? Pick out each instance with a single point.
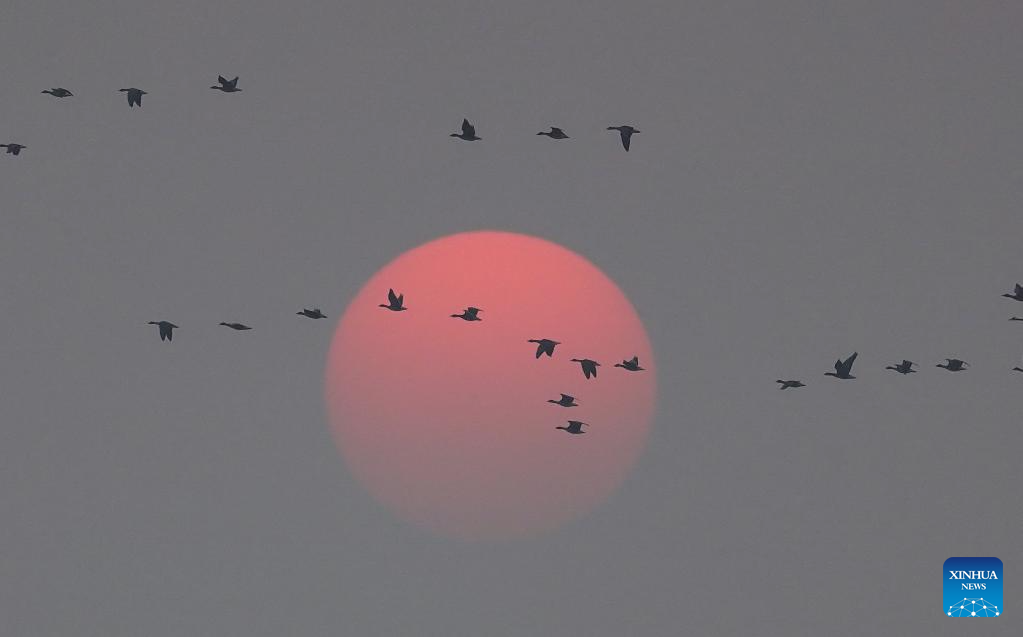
(786, 384)
(134, 96)
(574, 427)
(237, 326)
(626, 132)
(58, 92)
(556, 133)
(954, 365)
(631, 365)
(226, 85)
(1017, 294)
(13, 149)
(589, 366)
(314, 313)
(469, 314)
(166, 329)
(905, 367)
(468, 132)
(544, 346)
(843, 368)
(564, 401)
(395, 302)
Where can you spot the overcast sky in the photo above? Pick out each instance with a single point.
(811, 179)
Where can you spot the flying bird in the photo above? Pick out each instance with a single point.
(394, 302)
(1017, 294)
(785, 384)
(468, 132)
(556, 133)
(574, 427)
(626, 133)
(134, 96)
(564, 401)
(13, 149)
(589, 366)
(166, 329)
(905, 367)
(1017, 369)
(631, 365)
(544, 346)
(228, 86)
(954, 365)
(842, 368)
(314, 313)
(1016, 318)
(236, 326)
(59, 92)
(469, 314)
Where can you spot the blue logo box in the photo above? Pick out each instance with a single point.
(973, 587)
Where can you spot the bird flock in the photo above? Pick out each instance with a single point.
(225, 85)
(396, 303)
(843, 368)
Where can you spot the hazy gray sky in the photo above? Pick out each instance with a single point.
(812, 179)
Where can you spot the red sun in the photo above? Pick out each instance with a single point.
(446, 422)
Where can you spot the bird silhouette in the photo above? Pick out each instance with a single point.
(59, 92)
(394, 302)
(469, 314)
(13, 149)
(556, 133)
(631, 365)
(1016, 294)
(1017, 369)
(785, 384)
(1016, 318)
(842, 368)
(468, 132)
(574, 427)
(564, 401)
(589, 366)
(954, 365)
(314, 313)
(134, 96)
(905, 367)
(544, 346)
(166, 329)
(236, 326)
(228, 86)
(626, 132)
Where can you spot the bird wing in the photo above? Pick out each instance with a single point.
(847, 365)
(635, 360)
(401, 300)
(234, 82)
(567, 398)
(626, 139)
(220, 78)
(392, 297)
(468, 129)
(557, 131)
(1019, 289)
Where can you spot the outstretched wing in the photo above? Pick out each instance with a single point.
(222, 80)
(468, 129)
(392, 298)
(1019, 290)
(626, 139)
(634, 361)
